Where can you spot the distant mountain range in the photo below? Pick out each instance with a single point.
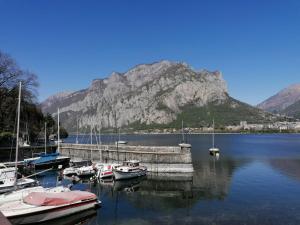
(156, 95)
(286, 101)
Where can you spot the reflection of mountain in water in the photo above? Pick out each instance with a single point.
(210, 180)
(290, 167)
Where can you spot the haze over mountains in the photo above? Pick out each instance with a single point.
(286, 101)
(151, 96)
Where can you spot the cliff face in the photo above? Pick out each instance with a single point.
(147, 94)
(282, 100)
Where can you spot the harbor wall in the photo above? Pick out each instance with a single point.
(158, 159)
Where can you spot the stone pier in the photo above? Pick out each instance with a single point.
(158, 159)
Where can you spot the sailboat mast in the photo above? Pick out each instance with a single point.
(45, 138)
(77, 133)
(58, 132)
(213, 136)
(18, 128)
(91, 134)
(182, 131)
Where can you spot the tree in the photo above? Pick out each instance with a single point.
(31, 116)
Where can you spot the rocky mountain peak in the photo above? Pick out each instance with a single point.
(282, 99)
(145, 94)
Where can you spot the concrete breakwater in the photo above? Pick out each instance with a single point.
(158, 159)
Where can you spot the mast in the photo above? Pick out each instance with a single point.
(91, 134)
(213, 136)
(58, 132)
(77, 133)
(182, 131)
(18, 128)
(45, 138)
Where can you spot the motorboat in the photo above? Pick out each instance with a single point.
(80, 168)
(129, 169)
(10, 182)
(39, 207)
(105, 170)
(19, 194)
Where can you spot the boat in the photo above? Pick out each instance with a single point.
(214, 150)
(80, 168)
(10, 182)
(105, 170)
(9, 175)
(184, 143)
(39, 207)
(119, 141)
(49, 160)
(129, 169)
(19, 194)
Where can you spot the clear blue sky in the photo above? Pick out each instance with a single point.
(256, 44)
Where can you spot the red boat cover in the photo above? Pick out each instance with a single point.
(54, 199)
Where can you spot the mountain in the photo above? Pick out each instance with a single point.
(153, 95)
(293, 110)
(282, 100)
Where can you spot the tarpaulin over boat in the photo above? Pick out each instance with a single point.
(54, 199)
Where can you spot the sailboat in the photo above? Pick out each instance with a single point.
(121, 142)
(183, 143)
(214, 150)
(9, 175)
(49, 160)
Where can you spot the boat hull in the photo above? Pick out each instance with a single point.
(51, 213)
(122, 175)
(55, 163)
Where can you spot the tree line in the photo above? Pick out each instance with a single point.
(32, 119)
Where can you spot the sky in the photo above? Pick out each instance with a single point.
(68, 43)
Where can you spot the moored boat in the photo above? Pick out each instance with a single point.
(129, 169)
(39, 207)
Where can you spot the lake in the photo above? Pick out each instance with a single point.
(256, 180)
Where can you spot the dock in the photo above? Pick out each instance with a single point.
(157, 159)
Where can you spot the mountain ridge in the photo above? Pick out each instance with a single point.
(147, 94)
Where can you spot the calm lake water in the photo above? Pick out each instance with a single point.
(256, 180)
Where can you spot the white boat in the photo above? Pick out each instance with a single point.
(105, 170)
(183, 143)
(20, 194)
(80, 168)
(39, 207)
(9, 181)
(129, 169)
(214, 150)
(119, 141)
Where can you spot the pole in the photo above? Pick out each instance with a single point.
(182, 131)
(45, 138)
(17, 140)
(213, 133)
(58, 132)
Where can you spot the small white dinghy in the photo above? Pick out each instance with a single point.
(129, 169)
(40, 206)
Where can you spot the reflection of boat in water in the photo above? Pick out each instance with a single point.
(131, 185)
